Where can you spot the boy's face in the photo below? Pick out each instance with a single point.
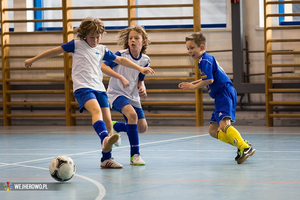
(193, 50)
(93, 39)
(135, 41)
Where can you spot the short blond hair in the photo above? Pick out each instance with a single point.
(198, 38)
(88, 25)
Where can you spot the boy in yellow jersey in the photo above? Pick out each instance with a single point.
(221, 89)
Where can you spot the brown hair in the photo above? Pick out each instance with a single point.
(88, 25)
(198, 38)
(124, 34)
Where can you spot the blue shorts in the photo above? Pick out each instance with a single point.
(84, 94)
(225, 105)
(122, 101)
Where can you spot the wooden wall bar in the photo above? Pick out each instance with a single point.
(270, 52)
(65, 94)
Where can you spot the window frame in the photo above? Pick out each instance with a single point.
(38, 14)
(282, 22)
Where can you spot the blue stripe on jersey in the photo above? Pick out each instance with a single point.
(110, 63)
(141, 76)
(69, 46)
(134, 57)
(109, 56)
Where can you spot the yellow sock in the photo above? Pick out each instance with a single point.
(235, 137)
(223, 137)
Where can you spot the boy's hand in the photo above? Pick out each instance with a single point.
(124, 82)
(147, 70)
(186, 86)
(28, 63)
(142, 92)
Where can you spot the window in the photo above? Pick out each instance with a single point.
(282, 8)
(10, 15)
(289, 8)
(208, 17)
(261, 13)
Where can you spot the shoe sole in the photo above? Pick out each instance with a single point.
(236, 159)
(111, 167)
(117, 144)
(137, 164)
(113, 139)
(243, 159)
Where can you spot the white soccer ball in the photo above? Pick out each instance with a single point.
(62, 168)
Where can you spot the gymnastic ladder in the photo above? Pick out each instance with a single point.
(277, 38)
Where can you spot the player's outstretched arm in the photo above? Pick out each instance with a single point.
(46, 54)
(108, 71)
(186, 86)
(195, 84)
(127, 63)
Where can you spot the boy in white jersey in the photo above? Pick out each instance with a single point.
(127, 101)
(87, 78)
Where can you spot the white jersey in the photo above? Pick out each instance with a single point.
(86, 67)
(115, 87)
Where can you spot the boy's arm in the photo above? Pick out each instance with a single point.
(127, 63)
(108, 71)
(142, 89)
(203, 83)
(190, 86)
(45, 54)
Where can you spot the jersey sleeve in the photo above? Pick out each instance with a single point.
(142, 76)
(112, 64)
(69, 46)
(108, 55)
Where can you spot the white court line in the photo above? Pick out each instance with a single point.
(163, 141)
(88, 152)
(100, 187)
(42, 149)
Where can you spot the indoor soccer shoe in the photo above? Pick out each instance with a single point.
(136, 160)
(108, 142)
(118, 143)
(110, 163)
(237, 152)
(245, 153)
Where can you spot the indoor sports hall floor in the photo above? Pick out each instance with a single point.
(181, 163)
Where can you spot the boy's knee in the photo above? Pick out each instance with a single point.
(132, 116)
(142, 129)
(213, 131)
(213, 134)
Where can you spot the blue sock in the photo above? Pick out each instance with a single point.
(106, 155)
(101, 131)
(120, 127)
(133, 137)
